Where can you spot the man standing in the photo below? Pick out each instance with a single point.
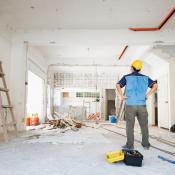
(136, 85)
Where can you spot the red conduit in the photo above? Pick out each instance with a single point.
(164, 21)
(123, 52)
(144, 29)
(167, 17)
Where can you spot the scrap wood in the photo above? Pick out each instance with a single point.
(78, 124)
(94, 116)
(65, 123)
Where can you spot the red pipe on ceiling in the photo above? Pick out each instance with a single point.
(167, 17)
(164, 21)
(124, 50)
(144, 29)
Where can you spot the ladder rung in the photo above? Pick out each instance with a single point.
(9, 124)
(7, 106)
(4, 89)
(1, 74)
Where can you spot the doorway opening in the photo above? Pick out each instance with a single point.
(163, 102)
(110, 101)
(35, 96)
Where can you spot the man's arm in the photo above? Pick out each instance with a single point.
(119, 87)
(152, 90)
(119, 90)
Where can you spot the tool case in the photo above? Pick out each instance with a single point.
(114, 156)
(133, 158)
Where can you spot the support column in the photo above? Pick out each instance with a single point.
(18, 74)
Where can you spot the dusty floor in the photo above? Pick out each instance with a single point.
(44, 152)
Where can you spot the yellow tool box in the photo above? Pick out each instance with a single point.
(114, 156)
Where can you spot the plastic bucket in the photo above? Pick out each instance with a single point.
(35, 120)
(112, 119)
(28, 121)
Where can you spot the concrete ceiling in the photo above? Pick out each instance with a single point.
(75, 51)
(83, 14)
(88, 31)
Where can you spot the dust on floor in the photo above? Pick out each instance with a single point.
(44, 152)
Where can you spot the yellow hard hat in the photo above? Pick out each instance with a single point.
(137, 64)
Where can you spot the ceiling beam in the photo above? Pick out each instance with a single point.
(86, 38)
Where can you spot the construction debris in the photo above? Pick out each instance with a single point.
(60, 121)
(65, 123)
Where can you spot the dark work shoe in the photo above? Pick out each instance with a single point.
(147, 147)
(126, 147)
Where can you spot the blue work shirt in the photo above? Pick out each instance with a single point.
(136, 87)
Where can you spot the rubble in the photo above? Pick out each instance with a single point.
(64, 123)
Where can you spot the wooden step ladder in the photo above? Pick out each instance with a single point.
(3, 107)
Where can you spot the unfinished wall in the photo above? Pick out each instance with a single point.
(88, 78)
(14, 55)
(106, 78)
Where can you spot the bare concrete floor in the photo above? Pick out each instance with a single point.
(44, 152)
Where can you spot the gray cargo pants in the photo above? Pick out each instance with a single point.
(142, 116)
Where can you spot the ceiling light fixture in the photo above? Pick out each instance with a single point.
(32, 7)
(52, 42)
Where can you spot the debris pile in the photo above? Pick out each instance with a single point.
(65, 123)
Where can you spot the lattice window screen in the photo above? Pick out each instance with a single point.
(85, 80)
